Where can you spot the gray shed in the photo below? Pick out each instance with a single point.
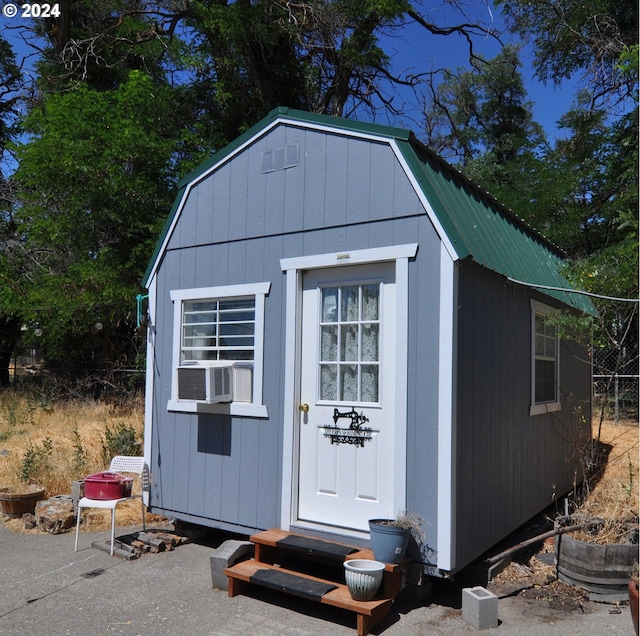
(341, 326)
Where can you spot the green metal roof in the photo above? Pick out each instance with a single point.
(481, 228)
(476, 225)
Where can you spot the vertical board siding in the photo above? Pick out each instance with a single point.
(422, 377)
(314, 186)
(381, 194)
(510, 465)
(335, 168)
(235, 226)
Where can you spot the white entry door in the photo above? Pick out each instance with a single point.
(346, 476)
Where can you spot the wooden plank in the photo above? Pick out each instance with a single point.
(118, 551)
(339, 597)
(273, 536)
(368, 613)
(268, 537)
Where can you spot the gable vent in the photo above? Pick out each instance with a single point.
(280, 157)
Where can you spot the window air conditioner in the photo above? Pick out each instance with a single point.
(208, 384)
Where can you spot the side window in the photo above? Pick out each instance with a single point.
(218, 325)
(218, 329)
(544, 361)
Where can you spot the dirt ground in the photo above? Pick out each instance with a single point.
(614, 497)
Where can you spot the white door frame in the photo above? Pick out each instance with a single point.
(294, 268)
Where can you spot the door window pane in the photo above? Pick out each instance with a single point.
(329, 382)
(350, 338)
(370, 298)
(369, 383)
(370, 341)
(329, 343)
(330, 304)
(350, 302)
(349, 383)
(349, 342)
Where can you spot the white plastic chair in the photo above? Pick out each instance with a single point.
(119, 464)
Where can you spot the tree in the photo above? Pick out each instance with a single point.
(598, 160)
(481, 119)
(10, 84)
(580, 191)
(482, 110)
(244, 56)
(598, 38)
(129, 94)
(95, 180)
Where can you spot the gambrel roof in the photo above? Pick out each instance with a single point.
(471, 223)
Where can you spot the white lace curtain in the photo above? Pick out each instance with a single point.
(350, 336)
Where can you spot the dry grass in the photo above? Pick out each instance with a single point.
(64, 443)
(614, 497)
(53, 447)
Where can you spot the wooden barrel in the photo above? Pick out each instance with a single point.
(603, 570)
(15, 502)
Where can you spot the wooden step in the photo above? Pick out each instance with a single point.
(269, 544)
(266, 570)
(369, 613)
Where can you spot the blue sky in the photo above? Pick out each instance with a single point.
(421, 51)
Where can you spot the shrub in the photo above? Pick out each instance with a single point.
(120, 440)
(36, 461)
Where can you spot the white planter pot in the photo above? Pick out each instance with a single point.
(363, 577)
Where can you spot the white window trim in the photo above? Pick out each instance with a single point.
(253, 409)
(537, 308)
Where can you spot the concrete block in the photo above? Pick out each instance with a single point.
(77, 493)
(228, 554)
(480, 607)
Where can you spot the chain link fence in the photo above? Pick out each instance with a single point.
(615, 384)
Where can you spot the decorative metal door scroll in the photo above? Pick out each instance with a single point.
(356, 434)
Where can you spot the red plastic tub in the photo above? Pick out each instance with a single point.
(107, 485)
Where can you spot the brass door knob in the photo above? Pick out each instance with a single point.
(304, 408)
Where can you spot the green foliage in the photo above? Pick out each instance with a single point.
(129, 96)
(572, 37)
(481, 117)
(580, 191)
(16, 412)
(89, 219)
(36, 461)
(119, 440)
(79, 454)
(483, 110)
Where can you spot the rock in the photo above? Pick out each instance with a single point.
(55, 515)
